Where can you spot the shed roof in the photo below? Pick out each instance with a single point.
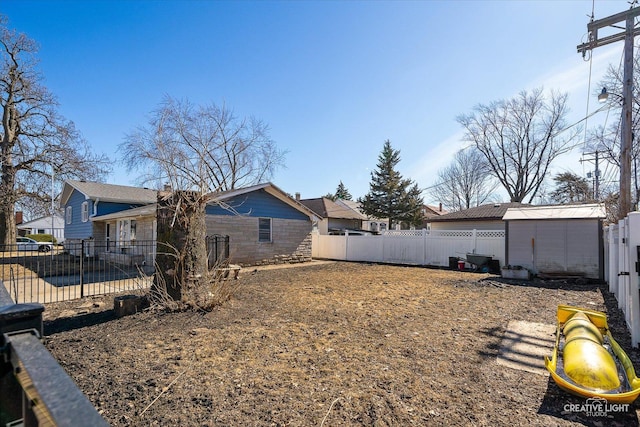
(585, 211)
(488, 212)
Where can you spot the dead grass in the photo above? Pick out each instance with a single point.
(333, 344)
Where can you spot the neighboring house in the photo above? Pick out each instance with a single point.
(263, 223)
(52, 224)
(556, 240)
(335, 218)
(375, 225)
(429, 212)
(485, 217)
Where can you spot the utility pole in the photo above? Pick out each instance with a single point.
(596, 172)
(627, 92)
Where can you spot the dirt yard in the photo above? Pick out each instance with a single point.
(334, 344)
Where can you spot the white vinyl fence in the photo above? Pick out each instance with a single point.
(419, 247)
(622, 245)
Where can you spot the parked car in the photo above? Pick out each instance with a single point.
(28, 244)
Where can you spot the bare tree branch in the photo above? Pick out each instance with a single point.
(520, 138)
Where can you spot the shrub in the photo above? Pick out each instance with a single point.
(43, 238)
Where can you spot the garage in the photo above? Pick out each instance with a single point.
(561, 241)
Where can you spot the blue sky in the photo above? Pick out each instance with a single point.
(333, 79)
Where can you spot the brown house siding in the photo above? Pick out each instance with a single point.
(291, 239)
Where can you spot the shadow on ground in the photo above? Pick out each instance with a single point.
(64, 324)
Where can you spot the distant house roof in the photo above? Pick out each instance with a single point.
(109, 192)
(431, 211)
(594, 210)
(488, 212)
(327, 208)
(43, 222)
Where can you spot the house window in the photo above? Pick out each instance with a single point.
(69, 212)
(124, 230)
(85, 211)
(264, 229)
(132, 233)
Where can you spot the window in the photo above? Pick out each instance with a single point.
(132, 233)
(264, 229)
(69, 212)
(85, 211)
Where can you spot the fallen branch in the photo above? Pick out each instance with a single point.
(327, 414)
(164, 390)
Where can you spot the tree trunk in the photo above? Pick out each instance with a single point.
(7, 210)
(181, 249)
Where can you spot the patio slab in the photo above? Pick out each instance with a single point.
(525, 344)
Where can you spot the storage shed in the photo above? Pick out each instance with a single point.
(564, 240)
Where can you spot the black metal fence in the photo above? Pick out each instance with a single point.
(81, 268)
(34, 389)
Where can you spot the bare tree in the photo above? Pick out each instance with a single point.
(35, 141)
(201, 148)
(466, 182)
(199, 151)
(520, 138)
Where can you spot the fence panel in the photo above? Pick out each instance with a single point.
(330, 247)
(413, 247)
(363, 248)
(622, 241)
(403, 249)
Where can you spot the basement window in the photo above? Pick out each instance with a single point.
(264, 229)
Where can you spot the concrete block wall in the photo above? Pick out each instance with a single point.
(291, 240)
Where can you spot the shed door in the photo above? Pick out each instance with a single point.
(558, 246)
(520, 248)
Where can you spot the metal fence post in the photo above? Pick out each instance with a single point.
(82, 268)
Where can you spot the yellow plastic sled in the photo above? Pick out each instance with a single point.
(587, 361)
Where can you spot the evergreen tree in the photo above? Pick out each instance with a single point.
(342, 193)
(390, 195)
(571, 188)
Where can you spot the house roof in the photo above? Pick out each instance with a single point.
(356, 207)
(140, 211)
(124, 194)
(271, 189)
(109, 192)
(327, 208)
(585, 211)
(488, 212)
(43, 222)
(431, 211)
